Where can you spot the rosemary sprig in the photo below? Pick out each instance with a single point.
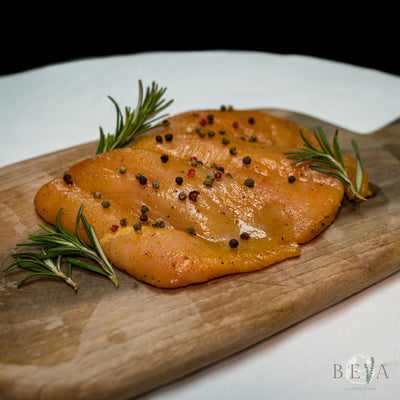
(329, 159)
(58, 244)
(136, 121)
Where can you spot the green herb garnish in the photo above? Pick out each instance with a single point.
(329, 160)
(136, 121)
(57, 245)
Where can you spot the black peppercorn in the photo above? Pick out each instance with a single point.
(159, 139)
(246, 160)
(168, 137)
(68, 179)
(249, 182)
(142, 180)
(164, 158)
(291, 179)
(233, 243)
(179, 180)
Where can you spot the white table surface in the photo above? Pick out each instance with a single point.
(59, 106)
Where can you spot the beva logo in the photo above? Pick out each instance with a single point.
(360, 369)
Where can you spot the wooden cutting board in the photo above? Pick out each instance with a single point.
(108, 343)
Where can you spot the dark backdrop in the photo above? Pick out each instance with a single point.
(36, 33)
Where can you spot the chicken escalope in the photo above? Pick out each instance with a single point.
(209, 194)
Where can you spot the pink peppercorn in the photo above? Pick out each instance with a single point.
(236, 125)
(218, 175)
(193, 158)
(203, 121)
(191, 173)
(193, 195)
(114, 228)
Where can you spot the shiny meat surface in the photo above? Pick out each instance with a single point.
(209, 195)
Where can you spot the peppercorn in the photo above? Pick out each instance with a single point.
(225, 140)
(97, 195)
(211, 176)
(155, 184)
(144, 217)
(105, 203)
(233, 150)
(68, 179)
(191, 173)
(122, 170)
(218, 175)
(142, 180)
(114, 228)
(236, 125)
(193, 163)
(246, 160)
(244, 236)
(123, 222)
(137, 226)
(249, 182)
(164, 158)
(253, 138)
(182, 196)
(168, 137)
(138, 175)
(291, 179)
(208, 182)
(203, 121)
(159, 139)
(159, 224)
(251, 121)
(222, 131)
(210, 133)
(193, 195)
(201, 132)
(233, 243)
(190, 229)
(144, 209)
(210, 118)
(179, 180)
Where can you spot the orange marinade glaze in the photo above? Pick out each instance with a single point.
(236, 227)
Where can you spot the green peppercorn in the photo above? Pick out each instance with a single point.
(211, 176)
(222, 131)
(210, 133)
(201, 132)
(160, 223)
(137, 226)
(208, 182)
(122, 170)
(190, 229)
(233, 150)
(225, 140)
(144, 209)
(213, 165)
(253, 138)
(193, 163)
(182, 196)
(138, 175)
(105, 203)
(155, 184)
(97, 195)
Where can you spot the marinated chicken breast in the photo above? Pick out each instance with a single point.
(210, 194)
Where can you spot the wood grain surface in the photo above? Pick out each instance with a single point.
(108, 343)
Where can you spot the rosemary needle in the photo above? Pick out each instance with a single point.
(329, 160)
(58, 244)
(136, 121)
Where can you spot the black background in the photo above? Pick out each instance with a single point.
(37, 33)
